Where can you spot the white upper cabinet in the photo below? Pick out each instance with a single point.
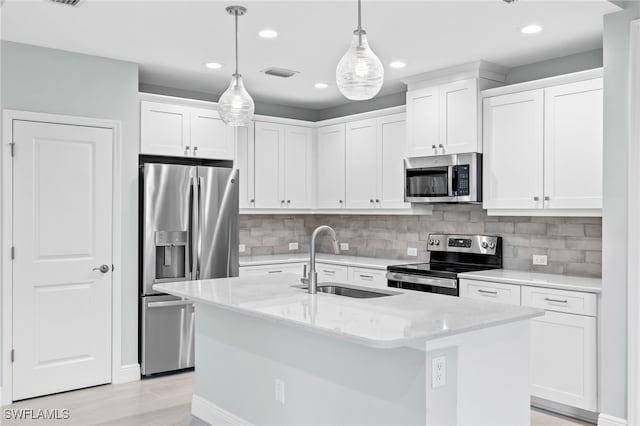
(245, 164)
(269, 141)
(573, 145)
(443, 119)
(210, 137)
(164, 129)
(330, 170)
(362, 164)
(391, 137)
(283, 166)
(423, 122)
(513, 155)
(543, 149)
(185, 131)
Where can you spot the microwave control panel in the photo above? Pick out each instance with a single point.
(461, 180)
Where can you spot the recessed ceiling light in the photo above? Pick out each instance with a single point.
(268, 34)
(397, 64)
(531, 29)
(321, 85)
(213, 65)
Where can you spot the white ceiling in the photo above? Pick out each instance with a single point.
(172, 39)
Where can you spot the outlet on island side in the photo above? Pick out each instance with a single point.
(438, 372)
(540, 259)
(293, 246)
(280, 391)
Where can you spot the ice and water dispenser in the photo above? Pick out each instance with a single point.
(171, 255)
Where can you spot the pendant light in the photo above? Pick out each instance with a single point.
(235, 106)
(359, 74)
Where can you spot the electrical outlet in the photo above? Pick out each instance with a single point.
(280, 391)
(412, 251)
(293, 246)
(344, 246)
(539, 259)
(242, 248)
(438, 372)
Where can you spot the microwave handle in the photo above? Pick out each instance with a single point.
(450, 172)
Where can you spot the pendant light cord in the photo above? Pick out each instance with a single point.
(359, 23)
(236, 16)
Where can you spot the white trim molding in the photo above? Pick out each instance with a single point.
(119, 373)
(633, 282)
(606, 420)
(209, 412)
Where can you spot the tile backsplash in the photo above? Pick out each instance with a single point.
(573, 244)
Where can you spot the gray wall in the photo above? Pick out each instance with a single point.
(262, 108)
(556, 66)
(573, 245)
(350, 108)
(58, 82)
(613, 308)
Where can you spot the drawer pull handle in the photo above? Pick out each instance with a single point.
(326, 271)
(275, 272)
(367, 277)
(555, 300)
(487, 292)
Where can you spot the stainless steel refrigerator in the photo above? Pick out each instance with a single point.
(188, 231)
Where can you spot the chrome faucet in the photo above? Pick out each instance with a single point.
(312, 278)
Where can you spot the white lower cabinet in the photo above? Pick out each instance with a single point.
(274, 269)
(563, 341)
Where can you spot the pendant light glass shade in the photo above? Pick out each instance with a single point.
(360, 73)
(235, 106)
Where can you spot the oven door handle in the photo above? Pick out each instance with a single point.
(413, 279)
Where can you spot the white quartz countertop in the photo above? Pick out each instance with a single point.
(334, 259)
(403, 319)
(537, 279)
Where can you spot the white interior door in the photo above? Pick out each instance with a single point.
(62, 230)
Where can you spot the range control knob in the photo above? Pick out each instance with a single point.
(437, 242)
(492, 246)
(431, 242)
(485, 245)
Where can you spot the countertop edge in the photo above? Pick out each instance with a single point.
(516, 281)
(322, 259)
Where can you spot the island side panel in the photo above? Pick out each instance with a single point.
(326, 380)
(489, 371)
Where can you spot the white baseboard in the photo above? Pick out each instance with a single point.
(606, 420)
(209, 412)
(126, 373)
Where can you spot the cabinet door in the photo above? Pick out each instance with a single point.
(391, 133)
(210, 137)
(269, 140)
(330, 167)
(573, 145)
(563, 359)
(513, 151)
(459, 117)
(297, 173)
(245, 165)
(423, 122)
(361, 164)
(164, 129)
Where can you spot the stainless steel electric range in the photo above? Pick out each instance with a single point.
(450, 255)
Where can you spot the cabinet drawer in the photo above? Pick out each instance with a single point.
(496, 292)
(331, 273)
(572, 302)
(283, 268)
(368, 277)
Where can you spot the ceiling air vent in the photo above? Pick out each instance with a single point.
(68, 2)
(280, 72)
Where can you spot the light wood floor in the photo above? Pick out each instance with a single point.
(162, 400)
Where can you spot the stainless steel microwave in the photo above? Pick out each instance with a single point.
(455, 178)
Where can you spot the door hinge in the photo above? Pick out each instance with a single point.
(13, 148)
(13, 253)
(13, 355)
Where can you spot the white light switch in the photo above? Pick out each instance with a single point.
(539, 259)
(293, 246)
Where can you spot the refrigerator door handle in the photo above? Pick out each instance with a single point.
(194, 228)
(200, 213)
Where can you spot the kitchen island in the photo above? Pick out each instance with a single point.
(270, 353)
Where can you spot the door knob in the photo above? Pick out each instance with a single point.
(103, 268)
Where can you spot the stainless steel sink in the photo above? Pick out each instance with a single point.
(349, 291)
